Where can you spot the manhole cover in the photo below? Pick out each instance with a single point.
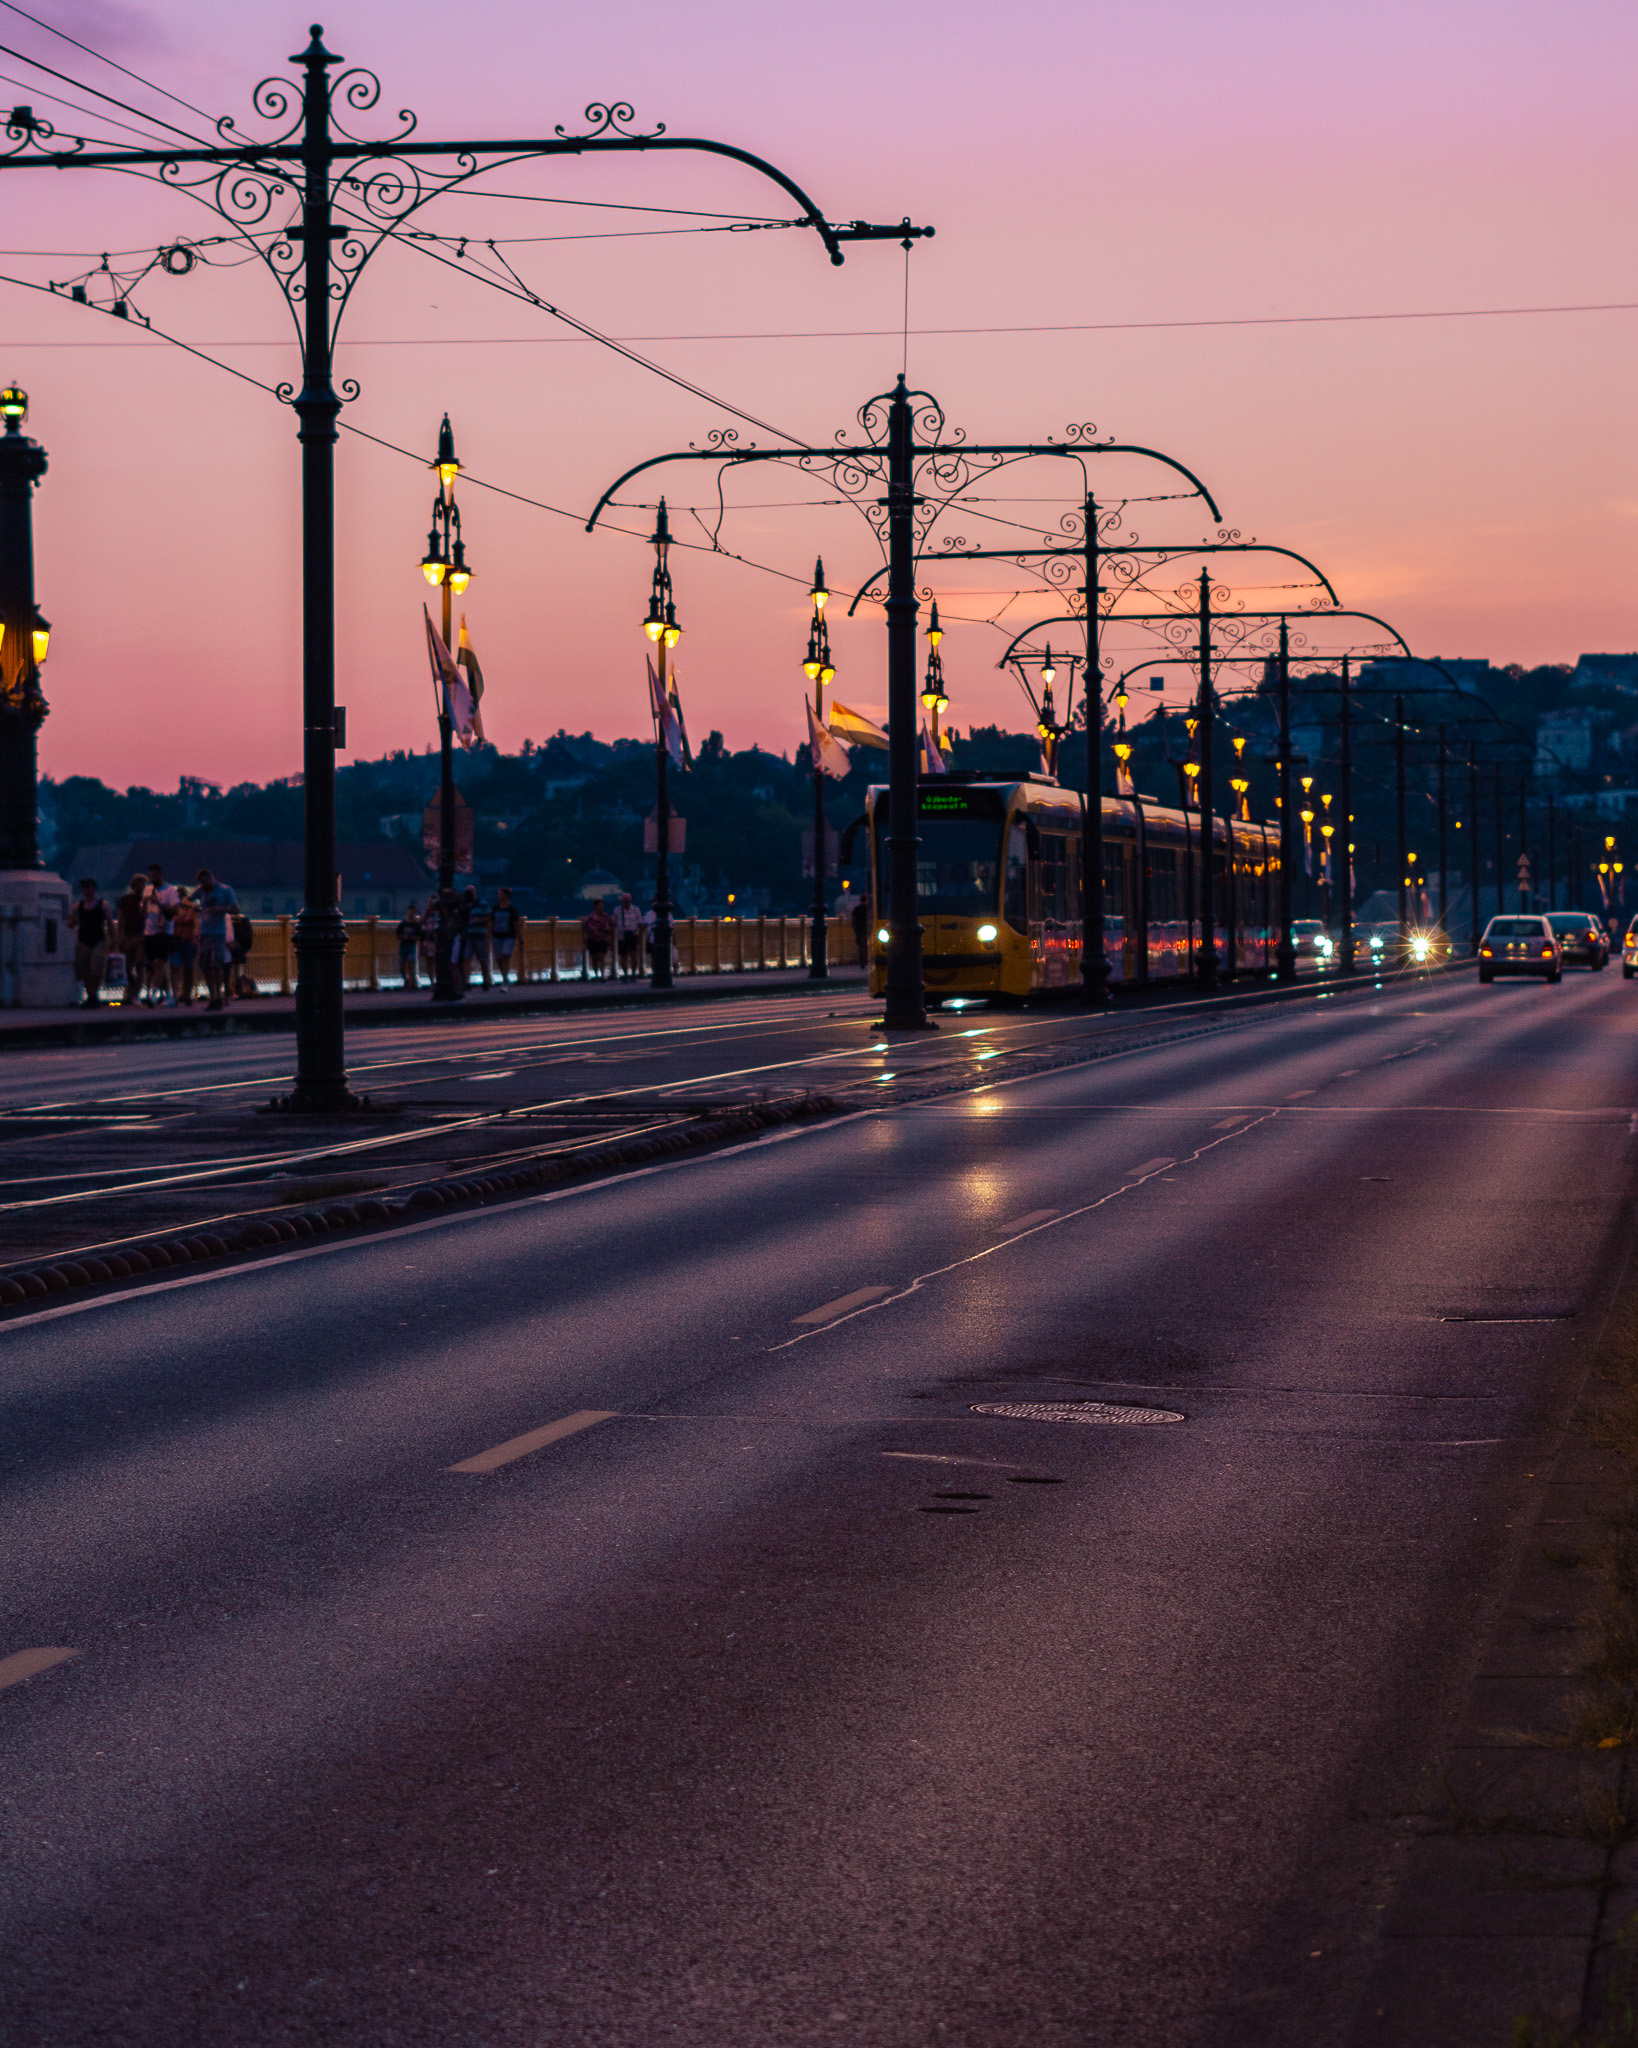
(1075, 1411)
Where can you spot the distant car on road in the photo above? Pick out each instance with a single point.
(1520, 945)
(1377, 944)
(1310, 941)
(1629, 952)
(1583, 940)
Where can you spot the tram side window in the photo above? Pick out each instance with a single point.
(1052, 879)
(1114, 880)
(1016, 907)
(1163, 903)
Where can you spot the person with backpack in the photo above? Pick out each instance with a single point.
(215, 903)
(184, 946)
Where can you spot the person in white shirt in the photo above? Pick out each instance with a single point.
(628, 937)
(158, 913)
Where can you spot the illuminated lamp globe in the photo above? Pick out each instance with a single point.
(447, 467)
(42, 639)
(13, 404)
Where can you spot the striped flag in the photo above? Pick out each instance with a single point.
(830, 757)
(855, 730)
(456, 699)
(467, 661)
(667, 717)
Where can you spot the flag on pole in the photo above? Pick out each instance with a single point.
(830, 757)
(932, 761)
(467, 661)
(682, 727)
(666, 720)
(458, 703)
(854, 730)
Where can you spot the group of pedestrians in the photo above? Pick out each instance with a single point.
(474, 936)
(159, 938)
(628, 934)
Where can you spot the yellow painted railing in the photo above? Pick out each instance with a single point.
(554, 949)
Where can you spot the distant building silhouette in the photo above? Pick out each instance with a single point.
(1564, 745)
(1616, 671)
(1437, 674)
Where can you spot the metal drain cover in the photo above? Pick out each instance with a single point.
(1076, 1411)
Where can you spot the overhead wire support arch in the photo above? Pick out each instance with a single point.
(316, 165)
(894, 462)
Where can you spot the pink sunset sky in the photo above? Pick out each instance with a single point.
(1093, 172)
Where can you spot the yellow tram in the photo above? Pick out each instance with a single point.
(999, 887)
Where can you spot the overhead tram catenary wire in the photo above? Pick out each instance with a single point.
(63, 36)
(520, 291)
(860, 333)
(162, 339)
(125, 107)
(38, 92)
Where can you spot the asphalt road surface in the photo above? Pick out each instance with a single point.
(623, 1619)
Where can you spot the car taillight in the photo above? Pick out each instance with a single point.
(1546, 952)
(1484, 952)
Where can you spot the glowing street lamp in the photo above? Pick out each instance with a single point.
(819, 670)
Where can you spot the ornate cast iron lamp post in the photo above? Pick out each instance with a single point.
(820, 671)
(909, 482)
(38, 965)
(23, 638)
(445, 567)
(662, 628)
(352, 195)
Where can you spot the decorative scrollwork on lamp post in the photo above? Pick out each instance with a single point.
(314, 201)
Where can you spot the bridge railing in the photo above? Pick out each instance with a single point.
(554, 949)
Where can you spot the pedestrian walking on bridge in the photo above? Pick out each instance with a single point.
(216, 904)
(410, 933)
(628, 936)
(92, 924)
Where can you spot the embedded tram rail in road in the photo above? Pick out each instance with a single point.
(716, 1600)
(93, 1182)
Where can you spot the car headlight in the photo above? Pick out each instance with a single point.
(987, 934)
(1420, 948)
(1325, 946)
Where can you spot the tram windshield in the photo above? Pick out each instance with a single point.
(958, 863)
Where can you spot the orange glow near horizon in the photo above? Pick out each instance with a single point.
(1469, 479)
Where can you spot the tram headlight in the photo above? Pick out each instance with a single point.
(1419, 948)
(883, 936)
(987, 934)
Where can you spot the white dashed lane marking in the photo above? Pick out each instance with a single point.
(535, 1440)
(23, 1664)
(842, 1304)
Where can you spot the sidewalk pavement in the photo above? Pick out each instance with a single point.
(83, 1026)
(1512, 1923)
